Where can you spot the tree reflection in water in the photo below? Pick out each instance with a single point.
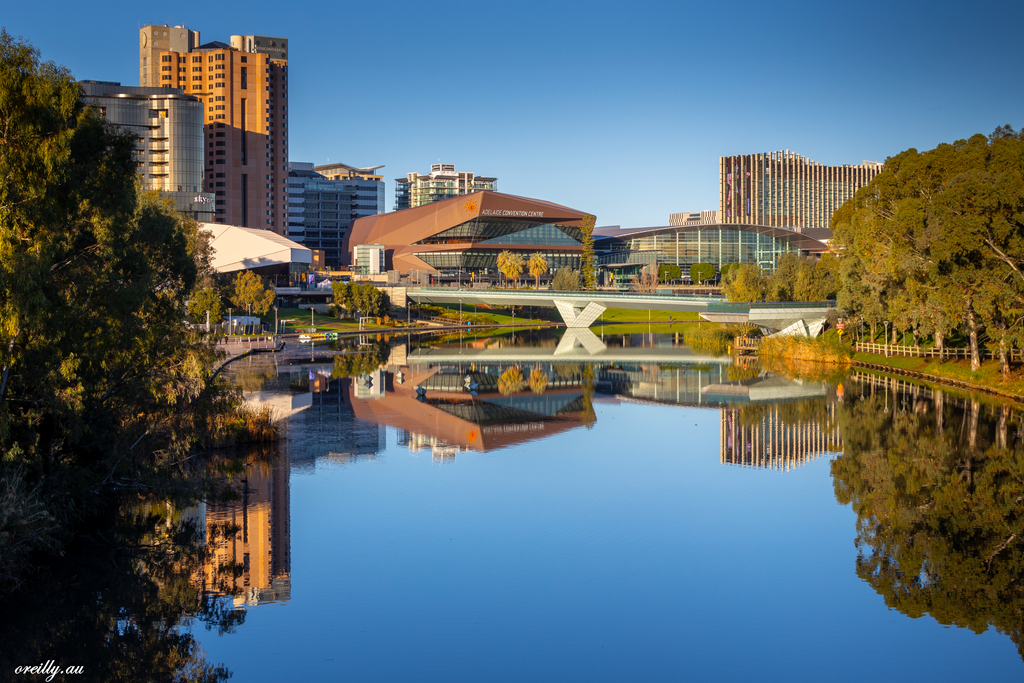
(120, 601)
(938, 489)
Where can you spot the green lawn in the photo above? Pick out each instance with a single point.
(627, 315)
(485, 315)
(642, 328)
(298, 319)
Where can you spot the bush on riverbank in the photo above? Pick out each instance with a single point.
(710, 338)
(818, 359)
(818, 349)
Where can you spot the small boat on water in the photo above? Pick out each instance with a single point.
(318, 336)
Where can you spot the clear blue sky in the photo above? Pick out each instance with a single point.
(619, 109)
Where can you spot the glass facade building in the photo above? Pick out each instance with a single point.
(559, 244)
(629, 250)
(168, 129)
(321, 207)
(466, 234)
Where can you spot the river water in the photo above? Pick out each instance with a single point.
(608, 508)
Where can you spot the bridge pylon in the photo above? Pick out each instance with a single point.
(574, 317)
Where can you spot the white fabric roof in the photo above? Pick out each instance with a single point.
(238, 248)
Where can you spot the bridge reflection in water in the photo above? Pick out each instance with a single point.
(491, 393)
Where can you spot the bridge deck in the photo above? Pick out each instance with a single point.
(547, 298)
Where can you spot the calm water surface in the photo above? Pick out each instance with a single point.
(656, 515)
(566, 507)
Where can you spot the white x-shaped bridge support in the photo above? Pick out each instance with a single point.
(574, 317)
(575, 337)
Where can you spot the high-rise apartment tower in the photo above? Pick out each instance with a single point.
(443, 182)
(244, 87)
(786, 190)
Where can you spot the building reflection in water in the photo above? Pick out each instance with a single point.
(485, 404)
(451, 409)
(773, 442)
(250, 538)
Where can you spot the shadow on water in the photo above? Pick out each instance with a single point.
(121, 599)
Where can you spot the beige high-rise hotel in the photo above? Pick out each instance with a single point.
(244, 88)
(786, 190)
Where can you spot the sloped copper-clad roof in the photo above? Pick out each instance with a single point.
(398, 231)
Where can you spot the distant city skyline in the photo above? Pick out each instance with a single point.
(623, 112)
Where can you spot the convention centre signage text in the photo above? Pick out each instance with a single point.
(508, 212)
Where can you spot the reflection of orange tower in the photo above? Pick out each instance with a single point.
(773, 442)
(253, 563)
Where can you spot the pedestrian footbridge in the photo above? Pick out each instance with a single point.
(582, 309)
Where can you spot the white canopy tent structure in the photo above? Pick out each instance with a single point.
(238, 248)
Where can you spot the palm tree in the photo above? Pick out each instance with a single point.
(510, 263)
(538, 266)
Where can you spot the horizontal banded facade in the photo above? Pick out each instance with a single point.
(786, 190)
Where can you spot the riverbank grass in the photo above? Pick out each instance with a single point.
(827, 348)
(487, 315)
(299, 319)
(988, 375)
(628, 315)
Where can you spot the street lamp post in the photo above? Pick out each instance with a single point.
(886, 338)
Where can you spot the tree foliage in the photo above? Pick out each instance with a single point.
(203, 300)
(251, 294)
(538, 265)
(745, 282)
(701, 272)
(935, 243)
(95, 277)
(511, 264)
(669, 271)
(794, 279)
(567, 280)
(361, 297)
(588, 265)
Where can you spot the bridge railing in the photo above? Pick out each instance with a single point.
(552, 293)
(745, 307)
